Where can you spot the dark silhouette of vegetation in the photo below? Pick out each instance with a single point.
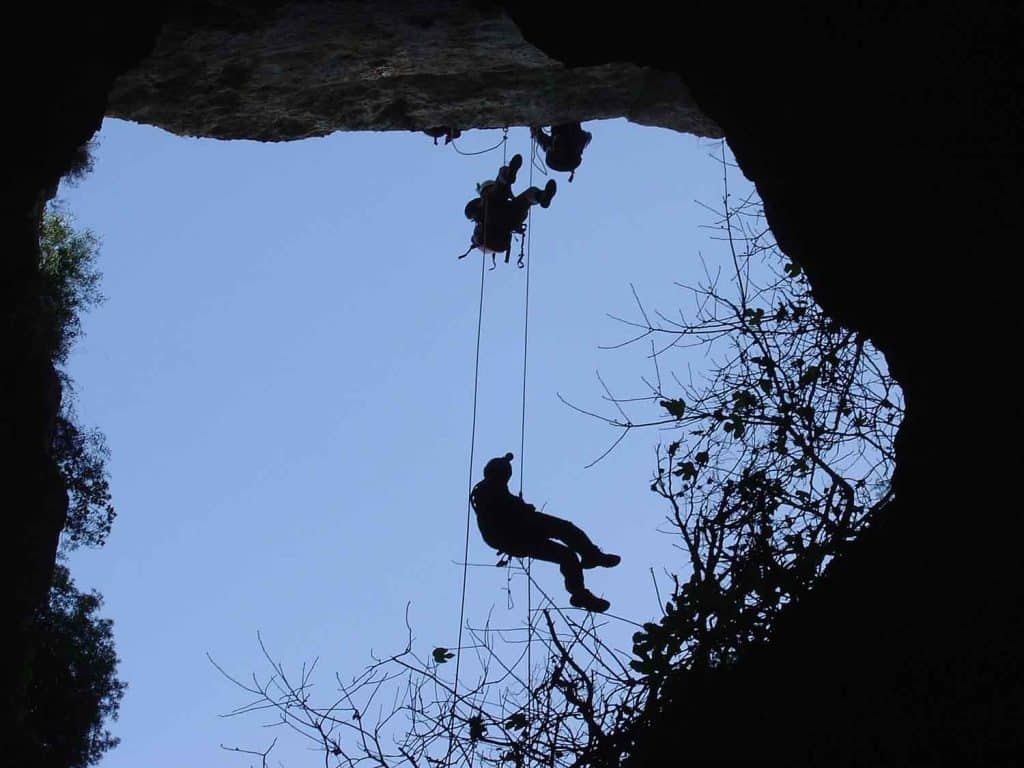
(71, 286)
(82, 455)
(779, 454)
(71, 280)
(67, 259)
(81, 162)
(73, 689)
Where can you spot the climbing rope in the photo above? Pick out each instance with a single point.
(472, 455)
(534, 162)
(526, 338)
(469, 507)
(522, 438)
(503, 139)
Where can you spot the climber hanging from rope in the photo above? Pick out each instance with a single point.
(563, 149)
(516, 528)
(498, 213)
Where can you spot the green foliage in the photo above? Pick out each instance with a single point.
(81, 455)
(73, 688)
(67, 260)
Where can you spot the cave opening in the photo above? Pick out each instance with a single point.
(286, 354)
(895, 128)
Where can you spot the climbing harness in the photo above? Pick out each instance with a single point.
(481, 232)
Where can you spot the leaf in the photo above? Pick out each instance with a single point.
(754, 315)
(805, 412)
(701, 457)
(672, 448)
(644, 667)
(809, 376)
(675, 407)
(441, 655)
(477, 729)
(686, 470)
(517, 721)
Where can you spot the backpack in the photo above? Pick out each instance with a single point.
(566, 152)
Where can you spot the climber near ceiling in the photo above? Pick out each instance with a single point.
(498, 214)
(563, 148)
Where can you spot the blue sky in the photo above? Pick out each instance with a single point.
(284, 370)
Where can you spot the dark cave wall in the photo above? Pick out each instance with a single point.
(57, 78)
(883, 140)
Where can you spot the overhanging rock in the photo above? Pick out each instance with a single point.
(311, 68)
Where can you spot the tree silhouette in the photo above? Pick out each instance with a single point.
(67, 261)
(780, 453)
(72, 688)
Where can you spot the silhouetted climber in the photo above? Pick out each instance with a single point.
(498, 214)
(445, 132)
(563, 149)
(516, 528)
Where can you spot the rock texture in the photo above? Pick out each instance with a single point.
(310, 68)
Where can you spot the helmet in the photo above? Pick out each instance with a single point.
(499, 469)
